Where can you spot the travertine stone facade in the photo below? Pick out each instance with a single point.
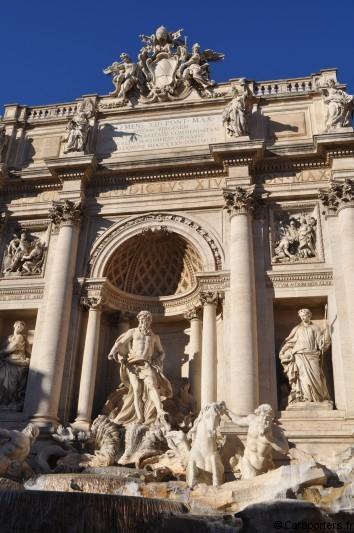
(223, 209)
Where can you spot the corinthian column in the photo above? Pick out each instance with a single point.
(195, 352)
(339, 200)
(209, 301)
(47, 360)
(242, 395)
(89, 364)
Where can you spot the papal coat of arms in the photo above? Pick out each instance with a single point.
(165, 70)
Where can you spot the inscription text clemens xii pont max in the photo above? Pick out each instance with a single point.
(160, 134)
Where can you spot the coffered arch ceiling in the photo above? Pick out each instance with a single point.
(154, 263)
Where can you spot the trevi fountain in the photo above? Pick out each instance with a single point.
(177, 302)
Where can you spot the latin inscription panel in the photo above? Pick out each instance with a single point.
(160, 134)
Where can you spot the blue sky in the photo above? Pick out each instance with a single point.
(55, 51)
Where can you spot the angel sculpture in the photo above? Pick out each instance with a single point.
(196, 69)
(126, 77)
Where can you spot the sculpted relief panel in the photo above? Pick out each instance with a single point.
(24, 255)
(296, 235)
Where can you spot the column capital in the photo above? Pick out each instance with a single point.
(241, 201)
(210, 297)
(91, 303)
(66, 212)
(192, 313)
(338, 196)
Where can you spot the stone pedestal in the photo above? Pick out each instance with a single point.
(89, 365)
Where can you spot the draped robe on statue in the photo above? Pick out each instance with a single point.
(141, 365)
(301, 357)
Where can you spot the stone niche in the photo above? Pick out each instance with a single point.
(173, 333)
(285, 319)
(15, 357)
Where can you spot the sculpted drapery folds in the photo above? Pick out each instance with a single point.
(126, 77)
(24, 255)
(237, 113)
(301, 356)
(140, 354)
(340, 106)
(14, 363)
(79, 127)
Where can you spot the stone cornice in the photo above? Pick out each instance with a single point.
(176, 305)
(73, 167)
(239, 153)
(287, 279)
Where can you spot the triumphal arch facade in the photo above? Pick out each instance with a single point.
(223, 209)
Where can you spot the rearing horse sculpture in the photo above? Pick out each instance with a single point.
(204, 454)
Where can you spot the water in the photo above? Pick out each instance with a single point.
(61, 512)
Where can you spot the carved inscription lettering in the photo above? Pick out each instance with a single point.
(160, 134)
(300, 177)
(199, 184)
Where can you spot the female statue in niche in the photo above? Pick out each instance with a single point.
(14, 363)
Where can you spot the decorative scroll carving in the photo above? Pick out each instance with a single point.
(14, 363)
(3, 142)
(79, 127)
(238, 112)
(24, 255)
(166, 69)
(209, 297)
(240, 200)
(192, 313)
(338, 195)
(91, 302)
(66, 212)
(340, 106)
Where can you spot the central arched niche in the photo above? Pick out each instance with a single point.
(154, 263)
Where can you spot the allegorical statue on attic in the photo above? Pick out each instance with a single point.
(3, 142)
(79, 127)
(140, 355)
(340, 106)
(237, 113)
(301, 356)
(166, 69)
